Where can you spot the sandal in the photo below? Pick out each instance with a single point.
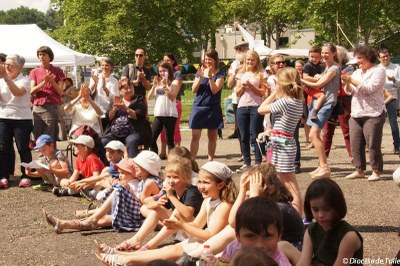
(126, 246)
(81, 214)
(104, 248)
(53, 221)
(109, 259)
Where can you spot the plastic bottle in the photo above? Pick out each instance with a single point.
(207, 257)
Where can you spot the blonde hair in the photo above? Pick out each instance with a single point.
(181, 151)
(290, 83)
(229, 192)
(181, 166)
(271, 61)
(258, 67)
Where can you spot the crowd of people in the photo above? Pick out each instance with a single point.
(118, 161)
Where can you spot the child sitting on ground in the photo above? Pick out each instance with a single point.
(108, 176)
(259, 224)
(87, 164)
(329, 240)
(58, 166)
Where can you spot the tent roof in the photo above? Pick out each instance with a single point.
(24, 40)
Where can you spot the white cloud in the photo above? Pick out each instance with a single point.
(41, 5)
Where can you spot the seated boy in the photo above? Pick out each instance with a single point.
(108, 176)
(58, 166)
(87, 165)
(312, 71)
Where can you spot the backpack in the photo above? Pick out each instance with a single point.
(121, 126)
(132, 71)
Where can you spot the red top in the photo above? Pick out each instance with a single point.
(46, 94)
(91, 164)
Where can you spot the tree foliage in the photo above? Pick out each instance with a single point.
(24, 15)
(117, 27)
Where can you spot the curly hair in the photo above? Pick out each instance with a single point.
(367, 51)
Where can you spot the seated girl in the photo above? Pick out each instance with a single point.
(123, 217)
(329, 240)
(177, 198)
(218, 189)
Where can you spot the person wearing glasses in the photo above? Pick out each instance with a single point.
(330, 83)
(391, 85)
(15, 118)
(139, 75)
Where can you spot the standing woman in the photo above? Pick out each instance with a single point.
(250, 89)
(15, 118)
(164, 90)
(47, 86)
(330, 82)
(206, 111)
(368, 112)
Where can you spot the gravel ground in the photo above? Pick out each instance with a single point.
(26, 239)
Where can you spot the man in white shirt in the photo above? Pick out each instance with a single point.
(391, 85)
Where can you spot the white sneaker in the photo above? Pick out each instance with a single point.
(242, 169)
(374, 177)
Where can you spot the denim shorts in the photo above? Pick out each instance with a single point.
(323, 114)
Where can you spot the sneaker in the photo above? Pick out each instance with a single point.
(374, 177)
(396, 151)
(43, 187)
(233, 136)
(87, 194)
(355, 175)
(242, 169)
(25, 182)
(59, 192)
(3, 183)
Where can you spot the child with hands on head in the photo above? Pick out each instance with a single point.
(329, 240)
(218, 189)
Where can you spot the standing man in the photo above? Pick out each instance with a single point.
(391, 85)
(139, 75)
(47, 86)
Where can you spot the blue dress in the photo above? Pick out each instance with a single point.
(206, 111)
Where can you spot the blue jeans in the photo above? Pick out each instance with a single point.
(392, 117)
(21, 131)
(250, 125)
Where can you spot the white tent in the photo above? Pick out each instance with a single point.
(24, 40)
(254, 44)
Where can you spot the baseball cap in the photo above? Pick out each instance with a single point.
(84, 140)
(218, 169)
(126, 165)
(149, 161)
(115, 145)
(43, 140)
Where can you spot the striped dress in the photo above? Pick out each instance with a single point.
(287, 112)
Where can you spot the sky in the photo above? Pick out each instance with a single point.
(41, 5)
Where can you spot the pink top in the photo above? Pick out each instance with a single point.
(46, 94)
(281, 258)
(368, 98)
(249, 97)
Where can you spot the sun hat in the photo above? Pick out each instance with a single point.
(218, 169)
(126, 165)
(84, 140)
(149, 161)
(115, 145)
(43, 140)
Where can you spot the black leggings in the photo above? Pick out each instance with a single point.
(159, 122)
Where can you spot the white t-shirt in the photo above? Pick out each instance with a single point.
(392, 70)
(82, 117)
(16, 107)
(163, 105)
(101, 98)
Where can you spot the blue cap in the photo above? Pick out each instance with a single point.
(42, 140)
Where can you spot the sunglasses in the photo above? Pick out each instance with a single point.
(279, 62)
(139, 55)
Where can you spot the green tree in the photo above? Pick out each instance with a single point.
(116, 27)
(24, 15)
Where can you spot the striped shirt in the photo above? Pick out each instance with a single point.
(288, 112)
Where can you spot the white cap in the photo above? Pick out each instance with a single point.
(149, 161)
(115, 145)
(84, 140)
(218, 169)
